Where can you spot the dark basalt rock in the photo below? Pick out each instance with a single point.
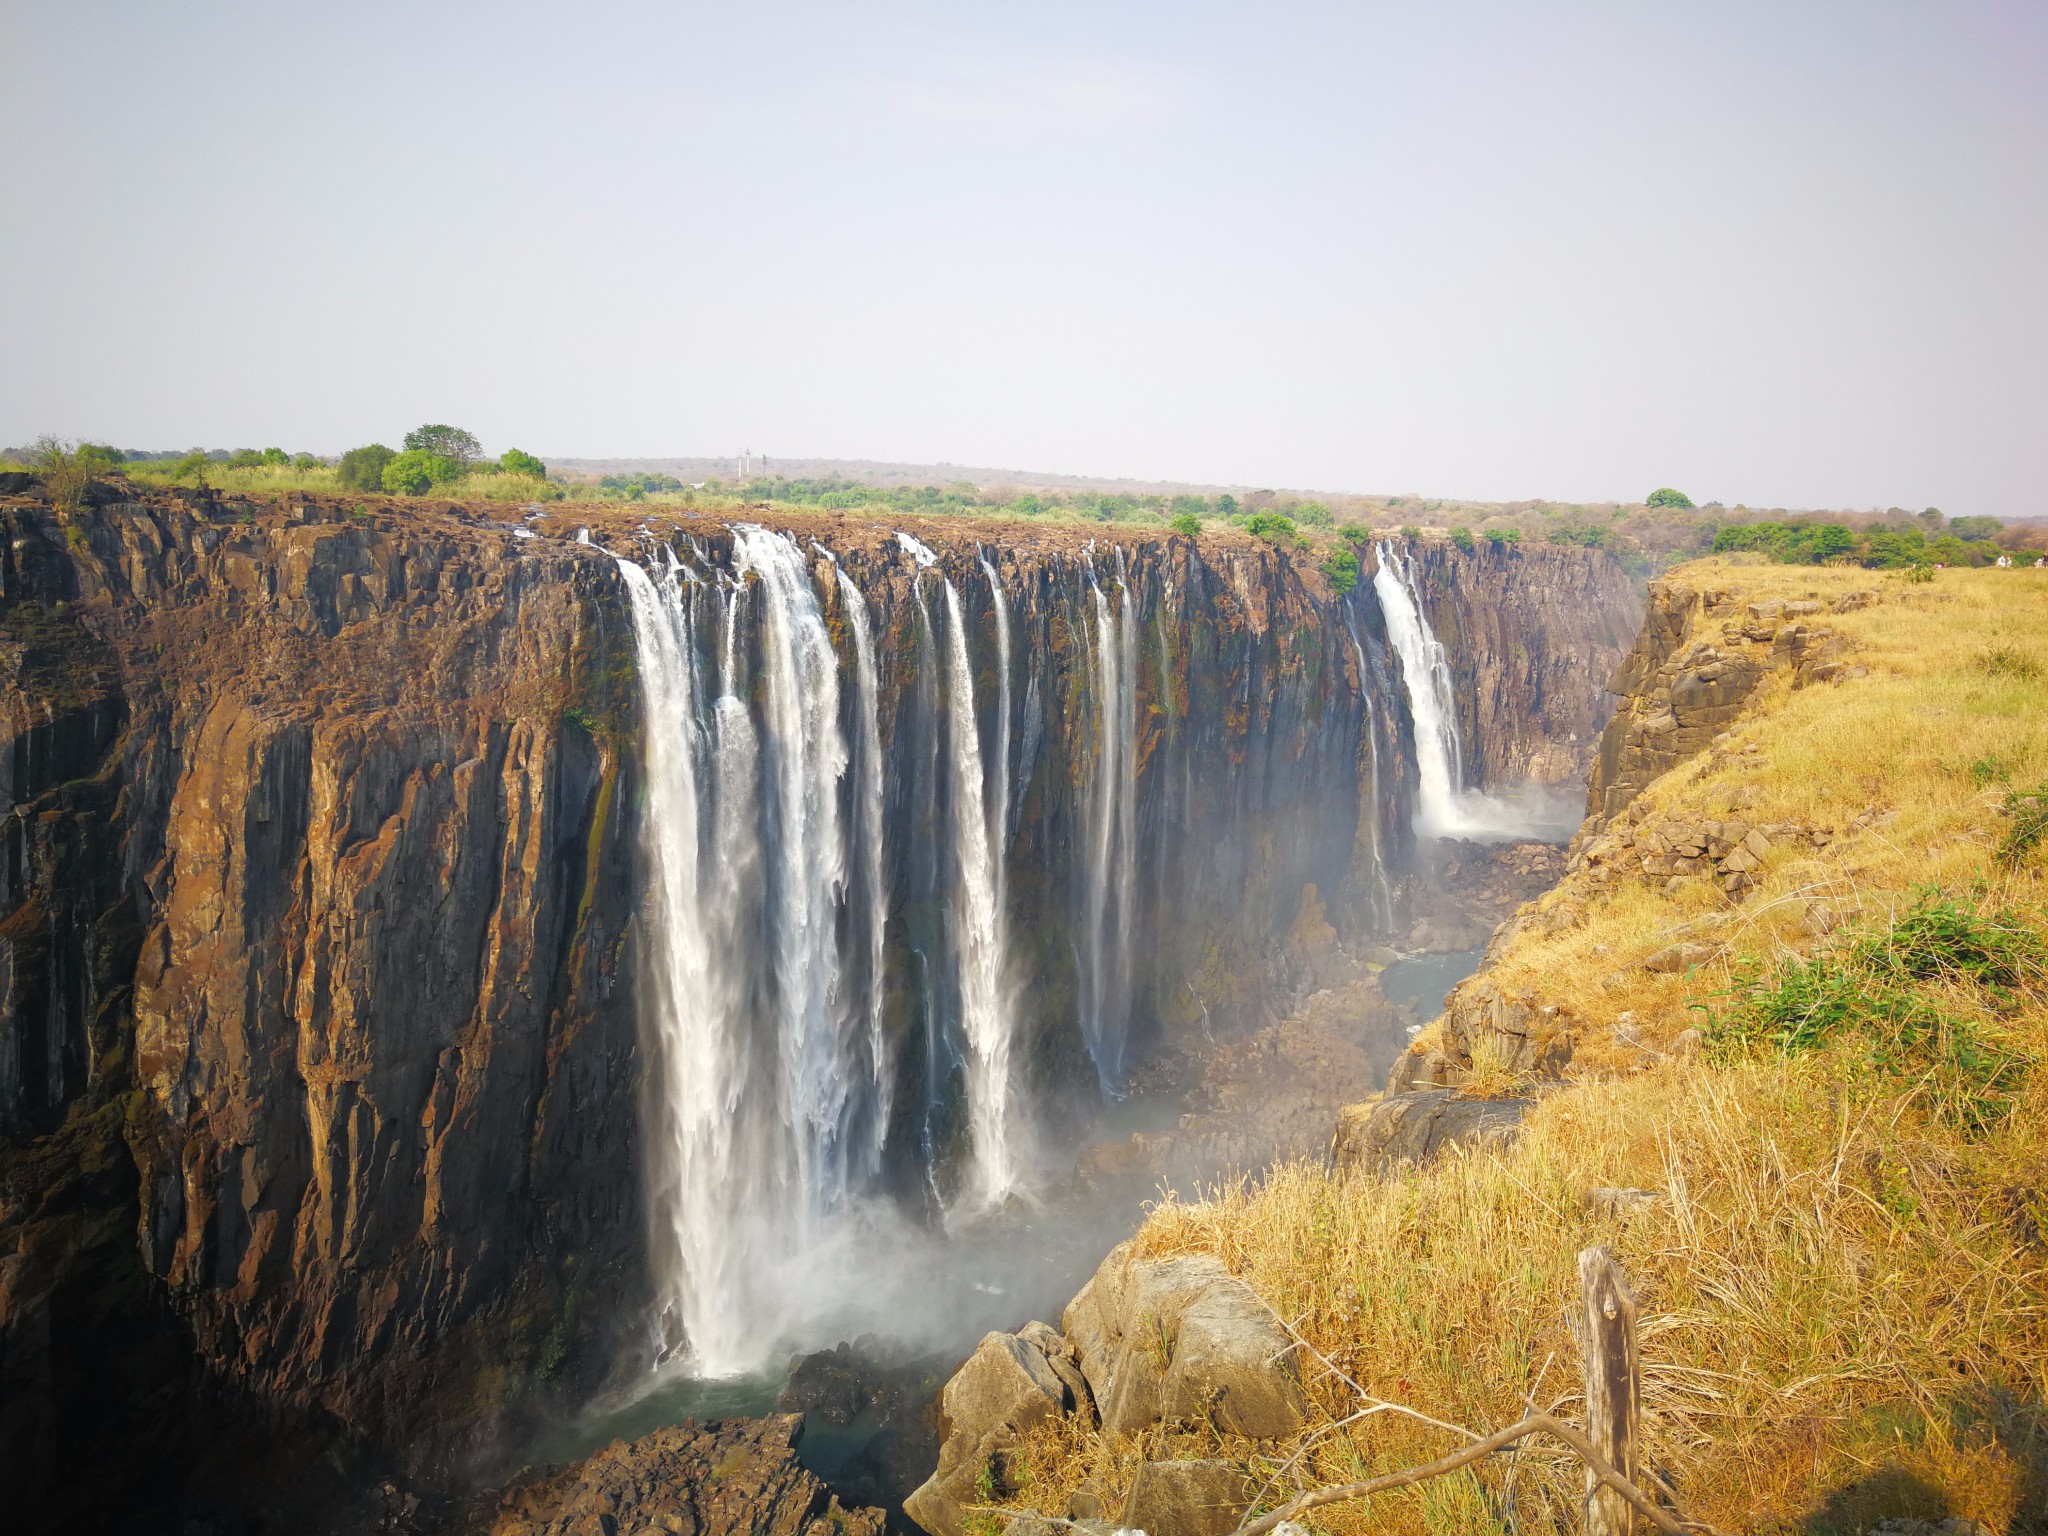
(734, 1477)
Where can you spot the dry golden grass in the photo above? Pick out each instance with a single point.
(1843, 1279)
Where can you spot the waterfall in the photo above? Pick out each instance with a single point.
(1444, 807)
(977, 934)
(703, 1167)
(806, 757)
(868, 810)
(1112, 835)
(1370, 810)
(999, 810)
(763, 1063)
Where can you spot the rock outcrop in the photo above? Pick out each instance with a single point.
(735, 1477)
(1179, 1341)
(1415, 1126)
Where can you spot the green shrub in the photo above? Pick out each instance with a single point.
(1410, 532)
(305, 461)
(1462, 537)
(1342, 569)
(1313, 514)
(416, 471)
(276, 456)
(1355, 533)
(1187, 525)
(2028, 812)
(245, 458)
(1909, 992)
(1665, 496)
(1919, 573)
(514, 462)
(191, 467)
(362, 469)
(1270, 526)
(1227, 504)
(1974, 527)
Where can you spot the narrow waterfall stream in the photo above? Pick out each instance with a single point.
(1445, 807)
(986, 1017)
(1112, 832)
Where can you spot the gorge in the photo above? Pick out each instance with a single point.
(452, 964)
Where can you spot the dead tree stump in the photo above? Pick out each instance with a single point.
(1613, 1387)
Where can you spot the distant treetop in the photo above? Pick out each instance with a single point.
(446, 442)
(1663, 496)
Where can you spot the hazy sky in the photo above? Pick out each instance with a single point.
(1784, 254)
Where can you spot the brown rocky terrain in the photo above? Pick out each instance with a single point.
(735, 1477)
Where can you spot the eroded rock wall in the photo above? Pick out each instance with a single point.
(1534, 633)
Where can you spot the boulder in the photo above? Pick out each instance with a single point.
(1414, 1127)
(1233, 1367)
(1007, 1386)
(1674, 958)
(1150, 1300)
(1187, 1498)
(737, 1477)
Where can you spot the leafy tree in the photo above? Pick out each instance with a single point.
(304, 461)
(362, 469)
(451, 443)
(1187, 525)
(514, 462)
(1342, 569)
(245, 458)
(1975, 527)
(1410, 532)
(416, 471)
(1462, 537)
(1227, 504)
(191, 467)
(1355, 533)
(1314, 514)
(1497, 537)
(1932, 520)
(276, 456)
(1270, 526)
(1665, 496)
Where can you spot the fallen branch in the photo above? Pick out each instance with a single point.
(1535, 1423)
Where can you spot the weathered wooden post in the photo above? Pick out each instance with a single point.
(1613, 1387)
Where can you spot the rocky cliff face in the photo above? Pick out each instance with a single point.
(320, 1067)
(1527, 629)
(312, 1054)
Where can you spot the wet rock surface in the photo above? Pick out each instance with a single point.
(736, 1477)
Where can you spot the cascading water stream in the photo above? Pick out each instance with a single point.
(702, 1154)
(1112, 835)
(1370, 805)
(1444, 807)
(986, 1015)
(868, 809)
(806, 756)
